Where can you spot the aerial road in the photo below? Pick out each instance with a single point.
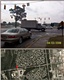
(38, 39)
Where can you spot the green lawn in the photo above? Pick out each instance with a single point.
(55, 42)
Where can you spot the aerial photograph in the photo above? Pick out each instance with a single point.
(32, 24)
(32, 64)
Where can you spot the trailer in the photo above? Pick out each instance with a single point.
(32, 24)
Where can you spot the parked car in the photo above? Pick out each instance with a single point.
(49, 27)
(15, 34)
(60, 27)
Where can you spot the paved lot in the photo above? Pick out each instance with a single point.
(38, 40)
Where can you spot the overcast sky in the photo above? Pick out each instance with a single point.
(43, 9)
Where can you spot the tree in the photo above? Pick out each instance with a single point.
(18, 13)
(52, 24)
(9, 23)
(4, 22)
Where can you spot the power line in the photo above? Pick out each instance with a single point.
(19, 3)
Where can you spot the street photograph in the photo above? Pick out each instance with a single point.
(32, 24)
(32, 64)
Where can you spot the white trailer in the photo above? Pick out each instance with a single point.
(32, 24)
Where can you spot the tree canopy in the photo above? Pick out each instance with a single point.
(18, 13)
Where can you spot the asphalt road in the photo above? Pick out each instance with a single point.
(38, 40)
